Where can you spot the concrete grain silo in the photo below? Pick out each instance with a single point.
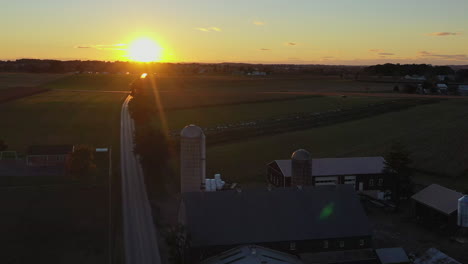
(192, 159)
(301, 170)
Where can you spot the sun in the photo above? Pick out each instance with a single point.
(144, 50)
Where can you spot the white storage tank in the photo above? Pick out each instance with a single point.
(463, 211)
(192, 159)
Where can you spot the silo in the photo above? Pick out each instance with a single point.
(192, 159)
(301, 163)
(463, 211)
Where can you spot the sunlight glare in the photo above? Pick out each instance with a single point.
(144, 50)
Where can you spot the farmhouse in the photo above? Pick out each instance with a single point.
(363, 173)
(293, 220)
(48, 156)
(436, 205)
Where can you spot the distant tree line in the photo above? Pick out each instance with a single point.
(390, 69)
(94, 66)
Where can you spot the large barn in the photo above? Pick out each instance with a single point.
(292, 220)
(364, 173)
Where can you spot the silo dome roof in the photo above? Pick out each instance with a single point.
(463, 199)
(191, 131)
(301, 154)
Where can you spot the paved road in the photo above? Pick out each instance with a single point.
(139, 231)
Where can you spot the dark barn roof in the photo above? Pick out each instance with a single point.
(339, 166)
(50, 149)
(283, 214)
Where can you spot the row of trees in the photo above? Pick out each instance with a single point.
(390, 69)
(151, 144)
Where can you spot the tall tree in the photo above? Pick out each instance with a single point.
(81, 161)
(397, 166)
(3, 145)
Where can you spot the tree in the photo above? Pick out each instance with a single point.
(81, 161)
(397, 166)
(3, 145)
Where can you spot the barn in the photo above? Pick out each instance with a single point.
(363, 173)
(292, 220)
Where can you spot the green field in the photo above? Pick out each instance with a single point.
(436, 134)
(229, 114)
(101, 82)
(27, 79)
(61, 117)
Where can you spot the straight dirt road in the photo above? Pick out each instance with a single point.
(140, 242)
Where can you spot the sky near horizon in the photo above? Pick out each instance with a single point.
(350, 32)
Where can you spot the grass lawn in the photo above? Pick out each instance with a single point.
(436, 134)
(62, 224)
(228, 114)
(27, 79)
(101, 82)
(61, 117)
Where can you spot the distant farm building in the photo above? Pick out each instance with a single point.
(48, 156)
(363, 173)
(292, 220)
(436, 205)
(415, 78)
(442, 88)
(463, 90)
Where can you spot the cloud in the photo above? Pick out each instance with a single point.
(443, 34)
(386, 54)
(328, 57)
(209, 29)
(119, 46)
(263, 49)
(291, 43)
(375, 50)
(258, 23)
(449, 57)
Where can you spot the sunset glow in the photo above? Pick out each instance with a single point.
(144, 50)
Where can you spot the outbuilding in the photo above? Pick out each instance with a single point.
(48, 155)
(436, 205)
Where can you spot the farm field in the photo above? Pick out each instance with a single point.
(61, 117)
(435, 133)
(98, 82)
(244, 112)
(8, 80)
(65, 224)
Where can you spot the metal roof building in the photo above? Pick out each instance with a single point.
(392, 256)
(252, 254)
(339, 166)
(286, 219)
(435, 256)
(439, 198)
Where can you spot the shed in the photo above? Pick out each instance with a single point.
(392, 255)
(435, 256)
(436, 204)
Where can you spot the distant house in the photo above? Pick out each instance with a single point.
(463, 90)
(415, 78)
(48, 156)
(436, 205)
(363, 173)
(251, 254)
(442, 88)
(292, 220)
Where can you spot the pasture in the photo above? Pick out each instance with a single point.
(435, 134)
(8, 80)
(96, 82)
(61, 117)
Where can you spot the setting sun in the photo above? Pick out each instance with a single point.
(144, 50)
